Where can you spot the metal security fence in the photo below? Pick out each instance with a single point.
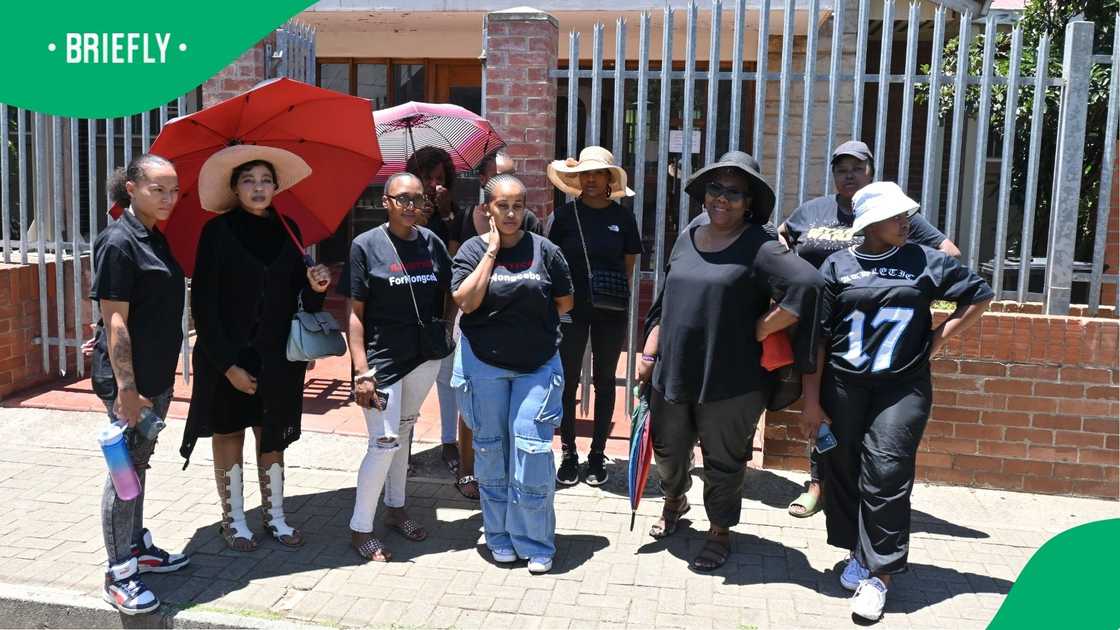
(53, 201)
(665, 117)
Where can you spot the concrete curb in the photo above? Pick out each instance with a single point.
(44, 607)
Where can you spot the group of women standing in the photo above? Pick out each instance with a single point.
(529, 305)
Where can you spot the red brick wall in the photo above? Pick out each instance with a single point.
(1021, 402)
(240, 75)
(521, 98)
(21, 363)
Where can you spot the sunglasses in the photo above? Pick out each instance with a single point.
(732, 195)
(409, 201)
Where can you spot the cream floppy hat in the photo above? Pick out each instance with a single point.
(564, 174)
(214, 192)
(879, 201)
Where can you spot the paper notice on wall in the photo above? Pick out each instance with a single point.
(676, 141)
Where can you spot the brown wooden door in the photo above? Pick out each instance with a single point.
(459, 83)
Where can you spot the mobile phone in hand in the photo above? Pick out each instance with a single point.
(382, 398)
(826, 441)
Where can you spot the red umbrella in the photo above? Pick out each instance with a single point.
(332, 132)
(465, 135)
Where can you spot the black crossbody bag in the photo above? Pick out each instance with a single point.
(610, 290)
(436, 341)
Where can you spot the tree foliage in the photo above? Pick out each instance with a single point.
(1041, 17)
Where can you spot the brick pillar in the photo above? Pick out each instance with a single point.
(522, 47)
(243, 73)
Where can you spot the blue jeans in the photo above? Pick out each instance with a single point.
(513, 416)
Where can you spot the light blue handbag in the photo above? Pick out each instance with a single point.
(314, 336)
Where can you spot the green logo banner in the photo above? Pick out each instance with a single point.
(114, 58)
(1070, 582)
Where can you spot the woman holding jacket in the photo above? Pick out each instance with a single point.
(703, 347)
(248, 282)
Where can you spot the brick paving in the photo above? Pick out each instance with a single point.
(966, 549)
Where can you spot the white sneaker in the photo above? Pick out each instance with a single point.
(854, 573)
(538, 566)
(869, 599)
(503, 556)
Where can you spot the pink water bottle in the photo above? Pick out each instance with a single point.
(121, 470)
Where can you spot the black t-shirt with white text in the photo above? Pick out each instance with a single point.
(517, 326)
(819, 227)
(392, 330)
(877, 307)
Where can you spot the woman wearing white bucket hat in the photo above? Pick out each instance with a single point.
(248, 279)
(875, 390)
(601, 242)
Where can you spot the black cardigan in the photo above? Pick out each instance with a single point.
(242, 312)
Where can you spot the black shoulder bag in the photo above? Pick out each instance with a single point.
(436, 341)
(610, 290)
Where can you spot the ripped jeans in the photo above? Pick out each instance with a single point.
(513, 416)
(385, 464)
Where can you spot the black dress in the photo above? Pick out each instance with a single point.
(247, 283)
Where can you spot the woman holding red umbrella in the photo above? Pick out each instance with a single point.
(249, 280)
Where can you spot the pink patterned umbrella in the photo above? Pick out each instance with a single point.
(465, 135)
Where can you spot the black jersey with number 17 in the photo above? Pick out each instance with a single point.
(877, 309)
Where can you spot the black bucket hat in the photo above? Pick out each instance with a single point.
(762, 196)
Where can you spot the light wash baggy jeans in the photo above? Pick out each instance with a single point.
(513, 416)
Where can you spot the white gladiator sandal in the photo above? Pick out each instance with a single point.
(231, 490)
(272, 505)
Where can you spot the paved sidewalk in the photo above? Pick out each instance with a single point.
(966, 548)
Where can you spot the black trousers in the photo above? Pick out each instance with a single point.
(726, 431)
(608, 336)
(868, 477)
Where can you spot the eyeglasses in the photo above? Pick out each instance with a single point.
(732, 195)
(409, 201)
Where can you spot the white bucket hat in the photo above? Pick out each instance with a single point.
(564, 174)
(880, 201)
(214, 192)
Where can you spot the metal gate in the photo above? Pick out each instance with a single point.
(821, 87)
(52, 197)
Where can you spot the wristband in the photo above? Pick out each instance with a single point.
(649, 358)
(369, 374)
(491, 255)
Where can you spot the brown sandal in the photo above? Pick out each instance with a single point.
(669, 518)
(713, 554)
(235, 542)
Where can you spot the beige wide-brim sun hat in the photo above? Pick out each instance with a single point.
(564, 174)
(214, 192)
(880, 201)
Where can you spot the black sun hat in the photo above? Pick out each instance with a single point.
(762, 196)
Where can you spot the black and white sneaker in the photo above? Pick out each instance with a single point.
(596, 469)
(568, 474)
(152, 559)
(126, 592)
